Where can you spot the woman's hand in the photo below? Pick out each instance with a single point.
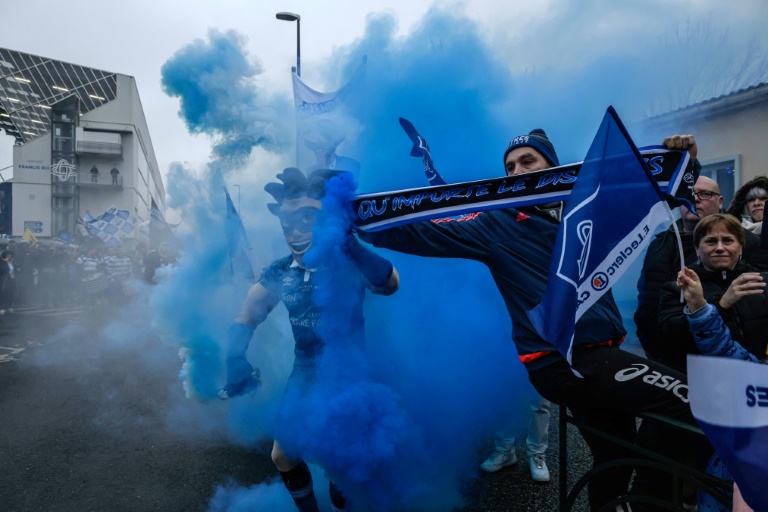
(688, 281)
(748, 283)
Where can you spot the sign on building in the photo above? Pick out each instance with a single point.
(35, 226)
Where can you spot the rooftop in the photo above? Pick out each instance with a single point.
(738, 99)
(30, 84)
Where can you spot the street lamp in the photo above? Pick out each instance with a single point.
(289, 16)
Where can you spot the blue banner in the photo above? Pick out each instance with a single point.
(159, 231)
(732, 410)
(612, 212)
(237, 241)
(382, 210)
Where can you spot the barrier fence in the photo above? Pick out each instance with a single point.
(716, 487)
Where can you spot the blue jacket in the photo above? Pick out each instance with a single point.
(516, 245)
(713, 338)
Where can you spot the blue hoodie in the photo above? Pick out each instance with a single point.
(516, 245)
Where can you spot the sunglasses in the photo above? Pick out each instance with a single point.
(705, 194)
(303, 220)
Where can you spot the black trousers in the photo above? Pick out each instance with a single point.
(616, 385)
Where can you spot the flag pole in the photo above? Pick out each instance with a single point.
(679, 246)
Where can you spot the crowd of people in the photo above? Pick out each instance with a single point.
(57, 274)
(725, 254)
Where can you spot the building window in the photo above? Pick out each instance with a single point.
(726, 173)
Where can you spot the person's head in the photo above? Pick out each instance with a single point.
(719, 240)
(141, 249)
(755, 205)
(749, 201)
(298, 202)
(6, 255)
(12, 245)
(706, 195)
(529, 153)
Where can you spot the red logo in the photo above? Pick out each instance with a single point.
(460, 218)
(521, 216)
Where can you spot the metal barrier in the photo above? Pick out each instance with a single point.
(716, 487)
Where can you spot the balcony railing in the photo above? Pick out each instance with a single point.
(85, 179)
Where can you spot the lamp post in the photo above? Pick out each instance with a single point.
(289, 16)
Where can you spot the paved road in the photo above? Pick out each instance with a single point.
(85, 433)
(74, 438)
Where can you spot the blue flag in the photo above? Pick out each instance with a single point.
(239, 248)
(159, 231)
(113, 226)
(732, 410)
(612, 212)
(421, 149)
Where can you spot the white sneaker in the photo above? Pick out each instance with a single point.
(539, 471)
(498, 460)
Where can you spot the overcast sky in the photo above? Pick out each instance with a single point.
(137, 37)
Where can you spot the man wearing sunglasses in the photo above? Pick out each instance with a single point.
(289, 281)
(662, 260)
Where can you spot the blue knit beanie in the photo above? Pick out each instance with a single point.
(537, 140)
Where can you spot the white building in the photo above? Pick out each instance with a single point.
(730, 132)
(69, 121)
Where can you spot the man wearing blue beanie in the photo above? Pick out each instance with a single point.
(528, 153)
(518, 160)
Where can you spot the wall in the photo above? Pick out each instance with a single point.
(740, 131)
(32, 203)
(32, 161)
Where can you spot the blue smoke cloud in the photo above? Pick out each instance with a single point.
(397, 425)
(348, 422)
(214, 81)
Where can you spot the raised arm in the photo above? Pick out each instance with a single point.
(379, 273)
(444, 238)
(686, 142)
(240, 374)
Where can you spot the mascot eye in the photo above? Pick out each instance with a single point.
(303, 220)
